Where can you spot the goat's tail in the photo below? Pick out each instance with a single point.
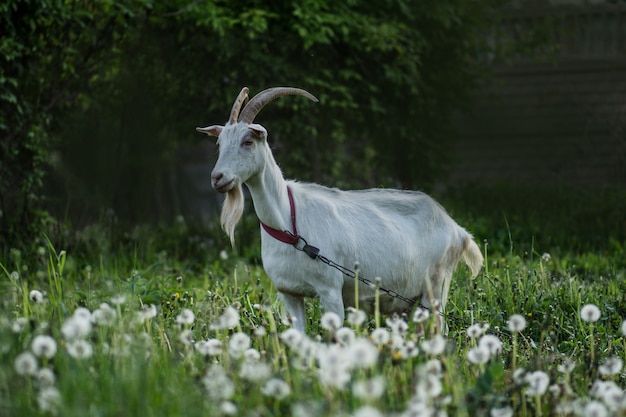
(472, 256)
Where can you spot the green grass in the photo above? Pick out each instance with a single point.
(150, 366)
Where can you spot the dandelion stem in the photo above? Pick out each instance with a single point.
(356, 286)
(377, 303)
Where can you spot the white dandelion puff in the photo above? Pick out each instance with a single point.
(82, 313)
(44, 346)
(538, 383)
(147, 312)
(345, 336)
(228, 320)
(291, 337)
(475, 330)
(492, 343)
(567, 366)
(19, 324)
(611, 366)
(369, 389)
(255, 371)
(362, 353)
(595, 409)
(420, 315)
(501, 412)
(80, 349)
(26, 364)
(211, 347)
(478, 355)
(434, 346)
(380, 336)
(36, 296)
(186, 337)
(330, 321)
(217, 384)
(276, 388)
(49, 399)
(118, 299)
(368, 411)
(590, 313)
(186, 317)
(396, 325)
(623, 328)
(238, 344)
(76, 327)
(104, 315)
(45, 377)
(516, 323)
(228, 408)
(356, 317)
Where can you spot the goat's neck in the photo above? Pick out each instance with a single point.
(268, 189)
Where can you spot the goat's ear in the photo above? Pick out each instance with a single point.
(258, 130)
(214, 130)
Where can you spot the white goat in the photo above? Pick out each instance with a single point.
(404, 237)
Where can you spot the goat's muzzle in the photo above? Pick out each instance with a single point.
(222, 183)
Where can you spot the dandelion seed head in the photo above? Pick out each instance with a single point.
(15, 276)
(104, 315)
(186, 337)
(363, 353)
(82, 313)
(516, 323)
(546, 257)
(118, 299)
(239, 342)
(49, 399)
(356, 317)
(590, 313)
(291, 337)
(537, 383)
(492, 343)
(276, 388)
(434, 346)
(370, 388)
(76, 327)
(345, 336)
(217, 384)
(211, 347)
(228, 320)
(223, 255)
(255, 371)
(380, 336)
(45, 377)
(408, 350)
(623, 328)
(595, 409)
(428, 388)
(501, 412)
(79, 349)
(335, 377)
(368, 411)
(19, 324)
(186, 317)
(478, 355)
(611, 366)
(26, 364)
(330, 321)
(260, 331)
(567, 366)
(36, 296)
(420, 315)
(44, 346)
(397, 325)
(228, 408)
(474, 331)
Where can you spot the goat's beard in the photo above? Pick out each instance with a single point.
(232, 211)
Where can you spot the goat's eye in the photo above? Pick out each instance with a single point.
(247, 142)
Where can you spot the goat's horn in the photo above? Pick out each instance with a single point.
(241, 98)
(261, 99)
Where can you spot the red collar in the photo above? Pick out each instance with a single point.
(284, 235)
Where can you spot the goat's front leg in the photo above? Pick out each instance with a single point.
(295, 306)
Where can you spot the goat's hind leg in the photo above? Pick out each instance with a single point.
(295, 306)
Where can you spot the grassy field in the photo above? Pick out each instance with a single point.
(138, 331)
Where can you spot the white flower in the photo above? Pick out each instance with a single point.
(45, 377)
(336, 377)
(369, 388)
(611, 366)
(595, 409)
(36, 296)
(118, 299)
(428, 387)
(420, 315)
(330, 321)
(228, 408)
(26, 364)
(276, 388)
(19, 324)
(396, 325)
(546, 257)
(408, 350)
(217, 384)
(624, 328)
(291, 337)
(238, 344)
(368, 411)
(590, 313)
(519, 376)
(186, 337)
(185, 317)
(475, 330)
(15, 276)
(211, 347)
(260, 331)
(345, 336)
(80, 349)
(516, 323)
(478, 355)
(82, 313)
(380, 336)
(501, 412)
(104, 315)
(44, 346)
(362, 353)
(252, 355)
(434, 346)
(567, 366)
(76, 327)
(492, 343)
(356, 317)
(49, 399)
(228, 320)
(255, 371)
(538, 382)
(223, 255)
(147, 312)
